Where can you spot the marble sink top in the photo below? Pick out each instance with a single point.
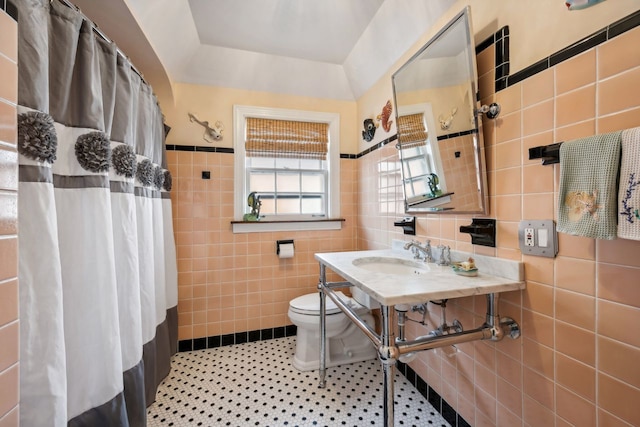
(400, 285)
(392, 265)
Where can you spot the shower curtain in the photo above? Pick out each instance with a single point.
(97, 264)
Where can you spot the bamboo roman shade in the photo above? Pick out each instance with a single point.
(286, 138)
(411, 130)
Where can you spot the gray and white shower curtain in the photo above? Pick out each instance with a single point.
(97, 264)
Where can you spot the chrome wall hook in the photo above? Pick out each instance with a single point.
(491, 111)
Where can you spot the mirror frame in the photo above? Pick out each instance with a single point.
(475, 129)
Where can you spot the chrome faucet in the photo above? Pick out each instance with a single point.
(417, 249)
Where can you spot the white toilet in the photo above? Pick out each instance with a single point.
(346, 343)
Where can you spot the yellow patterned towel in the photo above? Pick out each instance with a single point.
(629, 192)
(588, 186)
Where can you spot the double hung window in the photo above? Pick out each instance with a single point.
(290, 159)
(416, 154)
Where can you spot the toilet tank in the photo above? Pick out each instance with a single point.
(363, 299)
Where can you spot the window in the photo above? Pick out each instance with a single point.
(417, 159)
(291, 159)
(422, 169)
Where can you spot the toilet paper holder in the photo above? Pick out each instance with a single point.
(283, 242)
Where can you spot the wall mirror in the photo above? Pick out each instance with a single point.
(439, 134)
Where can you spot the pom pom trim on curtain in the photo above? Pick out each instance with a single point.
(97, 265)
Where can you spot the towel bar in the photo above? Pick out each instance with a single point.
(549, 154)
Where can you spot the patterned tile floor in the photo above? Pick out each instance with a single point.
(254, 384)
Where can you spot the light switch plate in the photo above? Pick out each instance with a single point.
(538, 237)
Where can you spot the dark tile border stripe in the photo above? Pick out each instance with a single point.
(502, 57)
(376, 146)
(607, 33)
(578, 47)
(10, 9)
(199, 148)
(500, 41)
(531, 70)
(236, 338)
(486, 43)
(457, 134)
(432, 396)
(623, 25)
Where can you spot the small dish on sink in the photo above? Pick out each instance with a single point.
(466, 268)
(465, 272)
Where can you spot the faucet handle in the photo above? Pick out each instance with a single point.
(445, 255)
(415, 252)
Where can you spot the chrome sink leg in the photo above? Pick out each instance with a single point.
(500, 327)
(388, 353)
(323, 327)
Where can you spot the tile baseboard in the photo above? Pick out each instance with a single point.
(236, 338)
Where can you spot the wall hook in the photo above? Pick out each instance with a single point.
(408, 225)
(549, 154)
(482, 230)
(491, 111)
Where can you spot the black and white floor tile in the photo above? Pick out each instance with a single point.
(254, 384)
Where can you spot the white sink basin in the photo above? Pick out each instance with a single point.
(396, 266)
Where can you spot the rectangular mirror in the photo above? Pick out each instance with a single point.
(439, 134)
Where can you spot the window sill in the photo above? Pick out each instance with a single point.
(270, 226)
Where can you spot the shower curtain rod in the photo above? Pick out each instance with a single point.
(99, 32)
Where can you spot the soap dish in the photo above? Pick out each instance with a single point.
(463, 272)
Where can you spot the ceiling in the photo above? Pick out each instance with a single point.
(323, 31)
(328, 48)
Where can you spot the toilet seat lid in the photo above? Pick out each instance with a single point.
(310, 304)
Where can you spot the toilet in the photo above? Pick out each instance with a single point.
(346, 343)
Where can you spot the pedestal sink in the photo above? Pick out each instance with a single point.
(395, 266)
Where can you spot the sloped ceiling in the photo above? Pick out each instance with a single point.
(327, 49)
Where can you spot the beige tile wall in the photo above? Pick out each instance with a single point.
(576, 363)
(230, 282)
(577, 360)
(9, 324)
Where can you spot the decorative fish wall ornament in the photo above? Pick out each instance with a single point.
(211, 134)
(369, 130)
(385, 116)
(445, 124)
(580, 4)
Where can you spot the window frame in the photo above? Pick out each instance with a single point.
(240, 114)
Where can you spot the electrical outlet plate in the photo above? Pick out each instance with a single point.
(538, 237)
